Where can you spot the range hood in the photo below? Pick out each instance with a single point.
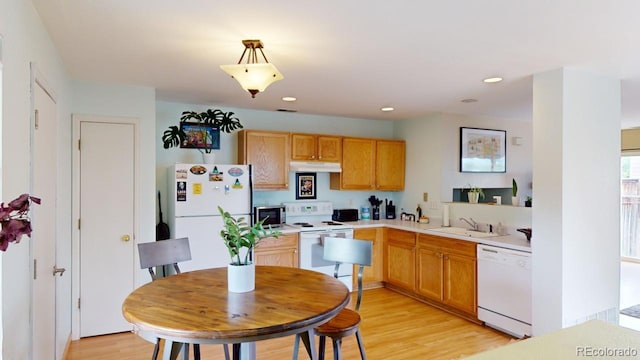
(314, 166)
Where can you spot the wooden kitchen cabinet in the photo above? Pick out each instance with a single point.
(372, 276)
(400, 259)
(390, 162)
(280, 251)
(268, 152)
(370, 164)
(446, 272)
(312, 147)
(358, 165)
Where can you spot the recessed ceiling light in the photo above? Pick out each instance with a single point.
(469, 100)
(494, 79)
(289, 98)
(387, 108)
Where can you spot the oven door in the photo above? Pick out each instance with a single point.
(312, 253)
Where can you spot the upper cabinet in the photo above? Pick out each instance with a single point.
(311, 147)
(390, 156)
(268, 152)
(370, 164)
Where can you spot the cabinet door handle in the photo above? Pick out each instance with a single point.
(446, 257)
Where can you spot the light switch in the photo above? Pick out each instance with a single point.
(425, 197)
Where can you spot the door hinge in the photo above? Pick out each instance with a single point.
(78, 224)
(35, 274)
(78, 303)
(79, 144)
(36, 118)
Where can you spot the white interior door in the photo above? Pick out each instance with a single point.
(43, 239)
(107, 193)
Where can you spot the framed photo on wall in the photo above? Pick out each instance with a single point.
(305, 186)
(483, 150)
(200, 136)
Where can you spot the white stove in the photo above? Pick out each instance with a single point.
(312, 216)
(313, 219)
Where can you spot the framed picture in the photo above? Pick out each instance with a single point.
(200, 136)
(483, 150)
(305, 186)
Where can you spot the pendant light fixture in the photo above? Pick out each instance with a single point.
(254, 77)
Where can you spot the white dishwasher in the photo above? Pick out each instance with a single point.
(504, 289)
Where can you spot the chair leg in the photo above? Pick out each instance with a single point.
(236, 351)
(196, 351)
(321, 347)
(226, 352)
(337, 353)
(156, 349)
(296, 347)
(360, 345)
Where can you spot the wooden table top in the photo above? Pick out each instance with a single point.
(196, 307)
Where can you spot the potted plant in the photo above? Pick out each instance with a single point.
(224, 121)
(240, 239)
(474, 194)
(515, 200)
(527, 202)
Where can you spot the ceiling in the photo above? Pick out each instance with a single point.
(350, 58)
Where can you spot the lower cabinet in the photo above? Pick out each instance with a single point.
(446, 272)
(372, 275)
(399, 259)
(280, 251)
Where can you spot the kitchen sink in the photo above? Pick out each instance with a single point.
(464, 232)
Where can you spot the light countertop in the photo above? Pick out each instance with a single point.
(512, 241)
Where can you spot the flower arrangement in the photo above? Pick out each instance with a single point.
(15, 221)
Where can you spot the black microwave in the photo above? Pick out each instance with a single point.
(273, 215)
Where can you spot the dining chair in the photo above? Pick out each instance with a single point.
(167, 253)
(347, 321)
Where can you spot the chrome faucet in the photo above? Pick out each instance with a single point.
(474, 225)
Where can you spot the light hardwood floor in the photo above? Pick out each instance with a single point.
(394, 327)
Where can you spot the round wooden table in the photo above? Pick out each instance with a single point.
(196, 308)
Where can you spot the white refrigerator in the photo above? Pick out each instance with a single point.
(195, 192)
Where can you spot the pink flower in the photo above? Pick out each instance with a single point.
(15, 221)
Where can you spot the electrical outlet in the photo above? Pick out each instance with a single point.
(425, 197)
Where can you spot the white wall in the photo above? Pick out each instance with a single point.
(433, 150)
(168, 114)
(25, 41)
(576, 260)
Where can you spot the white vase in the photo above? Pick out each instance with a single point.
(515, 200)
(241, 278)
(208, 158)
(473, 197)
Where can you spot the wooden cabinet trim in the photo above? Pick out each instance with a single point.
(286, 240)
(448, 245)
(401, 236)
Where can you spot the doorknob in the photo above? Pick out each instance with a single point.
(125, 237)
(57, 270)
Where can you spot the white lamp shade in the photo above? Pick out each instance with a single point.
(253, 76)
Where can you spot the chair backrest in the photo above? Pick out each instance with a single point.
(349, 251)
(164, 252)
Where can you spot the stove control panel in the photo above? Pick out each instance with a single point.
(307, 208)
